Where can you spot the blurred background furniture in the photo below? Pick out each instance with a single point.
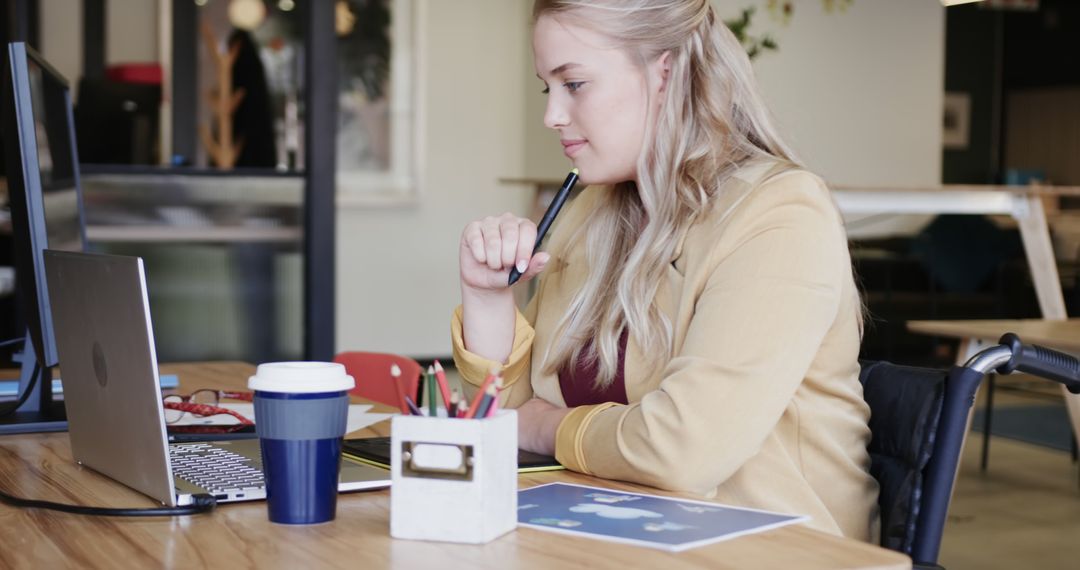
(371, 370)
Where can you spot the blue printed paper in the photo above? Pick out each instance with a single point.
(645, 520)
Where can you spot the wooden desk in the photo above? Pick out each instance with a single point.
(239, 535)
(976, 335)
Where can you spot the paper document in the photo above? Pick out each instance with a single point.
(645, 520)
(359, 417)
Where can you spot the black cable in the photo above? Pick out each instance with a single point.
(10, 407)
(203, 503)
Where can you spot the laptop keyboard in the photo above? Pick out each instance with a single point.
(215, 469)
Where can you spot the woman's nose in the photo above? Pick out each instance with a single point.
(555, 115)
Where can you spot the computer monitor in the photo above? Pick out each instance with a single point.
(46, 211)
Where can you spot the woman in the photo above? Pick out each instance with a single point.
(697, 325)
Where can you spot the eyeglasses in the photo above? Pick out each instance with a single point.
(202, 403)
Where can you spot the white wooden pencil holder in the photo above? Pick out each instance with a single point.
(454, 480)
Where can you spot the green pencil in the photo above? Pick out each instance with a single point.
(433, 409)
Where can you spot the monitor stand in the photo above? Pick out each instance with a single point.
(39, 413)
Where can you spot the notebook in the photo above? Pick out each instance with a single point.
(376, 451)
(112, 392)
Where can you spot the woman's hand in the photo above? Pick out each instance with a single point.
(492, 246)
(489, 248)
(538, 422)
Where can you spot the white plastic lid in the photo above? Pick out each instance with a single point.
(301, 377)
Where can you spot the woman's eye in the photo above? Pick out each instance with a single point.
(571, 86)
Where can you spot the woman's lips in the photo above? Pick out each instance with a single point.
(572, 147)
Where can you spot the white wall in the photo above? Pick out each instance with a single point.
(858, 92)
(397, 268)
(62, 37)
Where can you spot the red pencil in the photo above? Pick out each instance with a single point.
(480, 393)
(444, 388)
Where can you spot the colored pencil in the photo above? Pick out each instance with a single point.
(432, 404)
(444, 388)
(495, 402)
(395, 374)
(452, 406)
(485, 404)
(412, 407)
(480, 393)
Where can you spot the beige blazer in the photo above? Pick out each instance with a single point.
(760, 404)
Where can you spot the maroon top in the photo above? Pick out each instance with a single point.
(579, 383)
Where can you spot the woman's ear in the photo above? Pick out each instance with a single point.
(662, 68)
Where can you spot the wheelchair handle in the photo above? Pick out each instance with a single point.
(1041, 361)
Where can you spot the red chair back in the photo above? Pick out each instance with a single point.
(371, 370)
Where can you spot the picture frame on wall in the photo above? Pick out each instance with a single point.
(378, 138)
(956, 121)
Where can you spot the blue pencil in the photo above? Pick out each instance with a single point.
(485, 404)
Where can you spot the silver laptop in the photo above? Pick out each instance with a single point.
(116, 419)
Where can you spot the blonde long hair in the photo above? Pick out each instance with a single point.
(711, 121)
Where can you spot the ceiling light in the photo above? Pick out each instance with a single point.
(247, 14)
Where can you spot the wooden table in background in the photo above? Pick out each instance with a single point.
(977, 335)
(1060, 335)
(239, 535)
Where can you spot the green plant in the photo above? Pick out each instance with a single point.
(783, 11)
(754, 45)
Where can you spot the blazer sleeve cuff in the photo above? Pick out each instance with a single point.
(570, 436)
(473, 368)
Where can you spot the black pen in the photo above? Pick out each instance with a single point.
(549, 216)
